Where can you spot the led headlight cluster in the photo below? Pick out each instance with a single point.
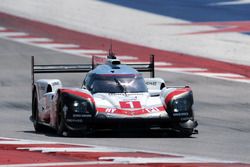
(80, 106)
(181, 104)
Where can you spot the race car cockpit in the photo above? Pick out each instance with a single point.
(116, 83)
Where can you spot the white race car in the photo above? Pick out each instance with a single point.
(112, 96)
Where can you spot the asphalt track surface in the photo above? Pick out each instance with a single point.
(221, 108)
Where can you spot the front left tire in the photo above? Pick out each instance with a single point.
(187, 128)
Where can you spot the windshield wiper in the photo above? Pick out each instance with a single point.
(124, 89)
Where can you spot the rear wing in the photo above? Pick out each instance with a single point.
(82, 68)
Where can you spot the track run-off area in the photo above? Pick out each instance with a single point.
(220, 86)
(18, 153)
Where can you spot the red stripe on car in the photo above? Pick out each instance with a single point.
(80, 94)
(175, 93)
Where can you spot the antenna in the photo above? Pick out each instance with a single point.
(111, 44)
(111, 54)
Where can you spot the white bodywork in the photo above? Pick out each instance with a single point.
(108, 105)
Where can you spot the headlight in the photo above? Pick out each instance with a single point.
(180, 105)
(80, 106)
(75, 104)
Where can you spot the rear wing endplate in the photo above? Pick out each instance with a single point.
(82, 68)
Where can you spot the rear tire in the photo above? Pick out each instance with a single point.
(35, 113)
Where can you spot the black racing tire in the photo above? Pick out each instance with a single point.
(35, 117)
(60, 121)
(186, 132)
(187, 128)
(162, 86)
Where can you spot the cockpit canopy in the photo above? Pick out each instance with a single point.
(115, 83)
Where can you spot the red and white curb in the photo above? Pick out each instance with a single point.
(30, 153)
(84, 51)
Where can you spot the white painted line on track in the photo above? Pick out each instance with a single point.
(26, 40)
(247, 80)
(60, 164)
(74, 149)
(83, 51)
(184, 69)
(57, 45)
(120, 57)
(157, 63)
(2, 29)
(146, 160)
(219, 74)
(83, 55)
(11, 34)
(17, 142)
(126, 57)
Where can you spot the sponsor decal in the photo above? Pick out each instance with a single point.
(130, 104)
(110, 110)
(151, 83)
(55, 83)
(152, 110)
(131, 112)
(74, 120)
(180, 114)
(81, 116)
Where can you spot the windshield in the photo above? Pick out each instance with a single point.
(118, 84)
